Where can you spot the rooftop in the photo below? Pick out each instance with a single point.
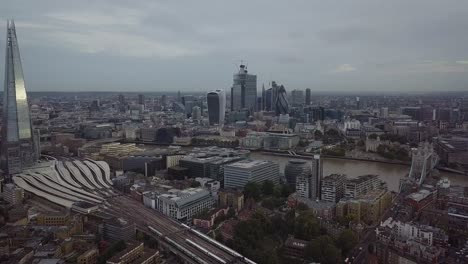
(248, 164)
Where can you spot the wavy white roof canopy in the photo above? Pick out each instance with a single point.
(68, 182)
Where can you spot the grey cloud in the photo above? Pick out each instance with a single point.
(193, 45)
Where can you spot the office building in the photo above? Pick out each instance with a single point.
(244, 90)
(309, 186)
(232, 198)
(297, 97)
(268, 100)
(415, 112)
(263, 106)
(308, 96)
(13, 194)
(116, 229)
(384, 112)
(237, 175)
(88, 257)
(281, 102)
(181, 205)
(216, 107)
(303, 186)
(333, 187)
(18, 148)
(141, 99)
(317, 174)
(135, 252)
(295, 169)
(361, 185)
(196, 113)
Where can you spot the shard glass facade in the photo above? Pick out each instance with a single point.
(17, 139)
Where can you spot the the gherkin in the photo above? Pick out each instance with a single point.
(18, 150)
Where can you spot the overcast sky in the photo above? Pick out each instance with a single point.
(325, 45)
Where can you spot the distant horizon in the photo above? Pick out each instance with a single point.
(343, 93)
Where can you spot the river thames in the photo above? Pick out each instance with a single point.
(390, 173)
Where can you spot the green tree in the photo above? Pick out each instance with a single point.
(268, 187)
(323, 250)
(301, 206)
(219, 237)
(332, 132)
(306, 226)
(230, 213)
(252, 190)
(318, 134)
(373, 136)
(347, 241)
(194, 184)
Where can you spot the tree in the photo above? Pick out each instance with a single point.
(332, 132)
(347, 241)
(252, 190)
(268, 187)
(306, 226)
(219, 237)
(195, 184)
(373, 136)
(301, 206)
(230, 213)
(323, 250)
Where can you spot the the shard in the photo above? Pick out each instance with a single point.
(18, 149)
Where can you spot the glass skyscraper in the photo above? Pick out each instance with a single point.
(244, 90)
(18, 149)
(216, 101)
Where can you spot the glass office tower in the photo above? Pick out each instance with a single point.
(18, 149)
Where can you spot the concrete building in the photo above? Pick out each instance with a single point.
(231, 198)
(13, 194)
(135, 252)
(244, 90)
(181, 205)
(116, 229)
(295, 169)
(88, 257)
(361, 185)
(196, 113)
(237, 175)
(317, 175)
(297, 97)
(333, 187)
(308, 96)
(277, 141)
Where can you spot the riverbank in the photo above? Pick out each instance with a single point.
(310, 156)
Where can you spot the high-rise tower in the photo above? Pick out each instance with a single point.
(307, 96)
(18, 149)
(216, 101)
(244, 90)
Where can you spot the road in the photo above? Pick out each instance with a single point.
(126, 207)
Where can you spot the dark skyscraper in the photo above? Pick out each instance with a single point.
(17, 137)
(317, 175)
(268, 100)
(307, 96)
(164, 100)
(216, 101)
(263, 105)
(281, 104)
(141, 99)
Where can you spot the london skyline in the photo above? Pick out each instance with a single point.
(333, 46)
